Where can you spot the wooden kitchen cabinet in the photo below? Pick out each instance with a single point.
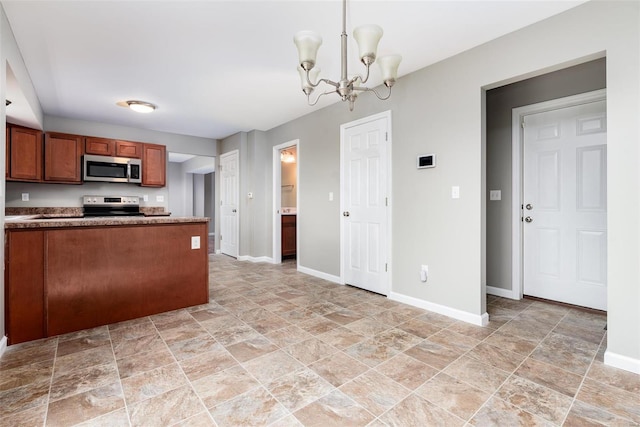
(62, 158)
(25, 154)
(24, 286)
(99, 146)
(129, 149)
(288, 236)
(154, 165)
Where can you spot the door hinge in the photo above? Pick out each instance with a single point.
(386, 136)
(522, 123)
(221, 237)
(386, 267)
(386, 201)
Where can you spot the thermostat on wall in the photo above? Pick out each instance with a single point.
(426, 161)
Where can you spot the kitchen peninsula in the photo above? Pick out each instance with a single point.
(67, 274)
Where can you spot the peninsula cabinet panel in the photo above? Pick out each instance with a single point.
(25, 154)
(98, 276)
(62, 158)
(99, 146)
(154, 165)
(24, 286)
(129, 149)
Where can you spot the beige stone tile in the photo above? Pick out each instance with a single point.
(172, 319)
(550, 376)
(478, 374)
(583, 415)
(397, 339)
(536, 399)
(213, 311)
(32, 417)
(207, 363)
(615, 377)
(408, 310)
(298, 389)
(75, 345)
(392, 317)
(167, 408)
(371, 353)
(299, 315)
(436, 320)
(406, 370)
(132, 330)
(343, 316)
(469, 330)
(288, 421)
(571, 354)
(251, 348)
(318, 325)
(190, 348)
(367, 309)
(143, 362)
(272, 366)
(375, 392)
(203, 419)
(454, 340)
(420, 328)
(612, 399)
(93, 333)
(289, 335)
(85, 406)
(433, 354)
(269, 323)
(22, 398)
(497, 357)
(184, 332)
(453, 395)
(224, 385)
(338, 368)
(83, 359)
(24, 375)
(334, 409)
(525, 328)
(257, 407)
(29, 353)
(497, 412)
(117, 418)
(368, 327)
(127, 323)
(81, 380)
(310, 350)
(221, 323)
(341, 338)
(144, 344)
(152, 383)
(512, 343)
(573, 330)
(415, 411)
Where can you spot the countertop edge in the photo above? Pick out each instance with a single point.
(99, 222)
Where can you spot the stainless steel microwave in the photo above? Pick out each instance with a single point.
(111, 169)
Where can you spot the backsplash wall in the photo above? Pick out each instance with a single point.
(65, 195)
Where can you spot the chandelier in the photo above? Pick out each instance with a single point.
(367, 37)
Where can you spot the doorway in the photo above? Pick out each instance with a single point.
(365, 188)
(286, 191)
(562, 210)
(229, 198)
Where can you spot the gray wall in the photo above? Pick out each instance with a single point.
(441, 109)
(499, 104)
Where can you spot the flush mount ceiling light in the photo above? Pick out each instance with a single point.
(287, 157)
(141, 106)
(367, 37)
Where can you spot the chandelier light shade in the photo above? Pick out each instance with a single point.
(367, 37)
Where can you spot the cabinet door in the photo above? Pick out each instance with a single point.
(99, 146)
(288, 235)
(24, 275)
(129, 149)
(62, 157)
(154, 165)
(25, 152)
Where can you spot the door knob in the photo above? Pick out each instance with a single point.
(529, 206)
(234, 211)
(346, 213)
(528, 219)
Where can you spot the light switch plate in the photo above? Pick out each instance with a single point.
(455, 192)
(145, 198)
(25, 197)
(331, 196)
(495, 195)
(195, 242)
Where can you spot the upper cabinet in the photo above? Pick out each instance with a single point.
(154, 165)
(24, 154)
(112, 147)
(62, 158)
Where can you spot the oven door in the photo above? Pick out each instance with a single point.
(105, 169)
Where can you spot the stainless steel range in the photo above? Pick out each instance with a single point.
(111, 206)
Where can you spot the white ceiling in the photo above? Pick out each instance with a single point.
(215, 67)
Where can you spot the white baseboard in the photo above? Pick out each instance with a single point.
(255, 259)
(475, 319)
(623, 362)
(500, 292)
(320, 275)
(3, 345)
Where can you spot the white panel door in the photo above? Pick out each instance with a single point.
(365, 172)
(229, 203)
(565, 209)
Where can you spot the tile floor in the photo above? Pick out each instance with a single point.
(279, 348)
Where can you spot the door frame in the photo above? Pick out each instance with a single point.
(276, 228)
(343, 127)
(517, 160)
(237, 191)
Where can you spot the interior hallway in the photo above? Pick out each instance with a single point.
(277, 347)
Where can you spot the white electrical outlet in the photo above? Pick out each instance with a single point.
(195, 242)
(424, 272)
(25, 197)
(159, 198)
(331, 196)
(455, 192)
(145, 198)
(495, 195)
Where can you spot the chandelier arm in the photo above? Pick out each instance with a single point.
(368, 89)
(311, 104)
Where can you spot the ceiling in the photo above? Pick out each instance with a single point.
(215, 67)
